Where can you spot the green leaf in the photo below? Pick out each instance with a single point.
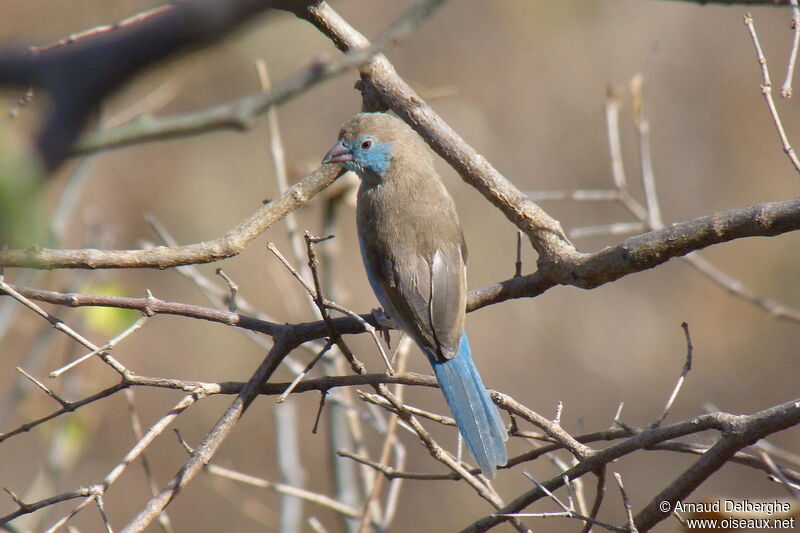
(21, 175)
(107, 320)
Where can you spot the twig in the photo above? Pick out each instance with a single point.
(559, 410)
(234, 288)
(106, 348)
(395, 485)
(392, 473)
(315, 291)
(378, 400)
(780, 453)
(98, 499)
(27, 508)
(154, 306)
(687, 366)
(553, 430)
(62, 327)
(277, 153)
(786, 90)
(598, 498)
(104, 28)
(766, 90)
(42, 386)
(576, 195)
(216, 295)
(305, 371)
(316, 525)
(626, 503)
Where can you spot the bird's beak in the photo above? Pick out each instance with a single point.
(338, 154)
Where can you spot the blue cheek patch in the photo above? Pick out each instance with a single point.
(376, 160)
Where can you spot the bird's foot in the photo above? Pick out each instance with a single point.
(384, 321)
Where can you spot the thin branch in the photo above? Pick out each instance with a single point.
(786, 90)
(687, 366)
(598, 498)
(552, 429)
(62, 327)
(305, 371)
(106, 348)
(149, 306)
(234, 288)
(72, 406)
(44, 387)
(766, 90)
(631, 526)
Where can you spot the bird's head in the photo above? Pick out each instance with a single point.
(364, 155)
(370, 144)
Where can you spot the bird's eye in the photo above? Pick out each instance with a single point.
(366, 145)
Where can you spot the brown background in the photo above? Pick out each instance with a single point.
(524, 83)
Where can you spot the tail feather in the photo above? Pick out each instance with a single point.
(476, 416)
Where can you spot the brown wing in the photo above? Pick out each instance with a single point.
(448, 298)
(426, 297)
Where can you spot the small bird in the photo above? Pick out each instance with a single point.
(415, 257)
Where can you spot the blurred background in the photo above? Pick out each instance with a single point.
(525, 84)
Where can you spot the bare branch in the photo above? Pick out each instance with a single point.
(687, 366)
(766, 90)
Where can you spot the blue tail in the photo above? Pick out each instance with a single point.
(476, 416)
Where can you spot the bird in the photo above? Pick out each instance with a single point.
(415, 258)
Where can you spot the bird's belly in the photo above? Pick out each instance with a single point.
(377, 288)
